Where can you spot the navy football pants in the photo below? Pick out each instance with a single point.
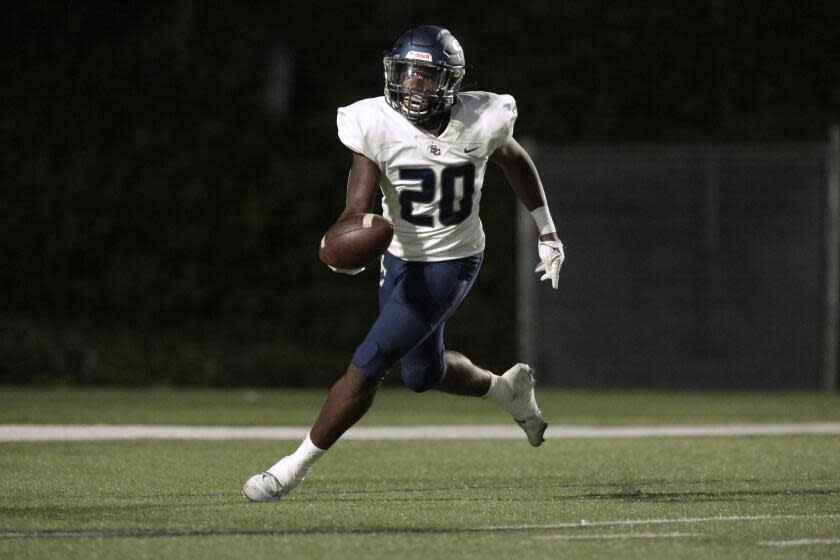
(415, 299)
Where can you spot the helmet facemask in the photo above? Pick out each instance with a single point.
(421, 91)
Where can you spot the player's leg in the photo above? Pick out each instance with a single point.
(441, 287)
(348, 400)
(513, 391)
(351, 396)
(424, 296)
(413, 301)
(430, 366)
(462, 377)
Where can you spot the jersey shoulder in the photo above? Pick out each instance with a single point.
(492, 114)
(364, 108)
(483, 100)
(366, 126)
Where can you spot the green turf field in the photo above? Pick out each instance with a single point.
(401, 407)
(702, 497)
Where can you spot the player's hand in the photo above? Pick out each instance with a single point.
(348, 271)
(551, 259)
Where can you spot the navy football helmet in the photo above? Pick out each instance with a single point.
(423, 73)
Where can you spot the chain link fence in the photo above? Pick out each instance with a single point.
(695, 266)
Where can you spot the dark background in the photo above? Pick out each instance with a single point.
(160, 224)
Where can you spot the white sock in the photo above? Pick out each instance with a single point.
(301, 460)
(499, 392)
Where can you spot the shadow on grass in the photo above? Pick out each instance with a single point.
(640, 495)
(223, 532)
(625, 490)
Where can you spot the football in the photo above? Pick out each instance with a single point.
(356, 241)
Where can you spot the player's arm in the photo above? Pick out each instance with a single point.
(521, 173)
(362, 184)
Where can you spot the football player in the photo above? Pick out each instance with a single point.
(425, 145)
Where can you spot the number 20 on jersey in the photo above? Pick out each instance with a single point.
(448, 214)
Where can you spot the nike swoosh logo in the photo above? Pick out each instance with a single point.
(466, 151)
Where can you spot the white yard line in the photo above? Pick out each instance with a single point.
(655, 521)
(801, 542)
(38, 432)
(620, 536)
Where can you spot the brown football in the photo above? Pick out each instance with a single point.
(356, 241)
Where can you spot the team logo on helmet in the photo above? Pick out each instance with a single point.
(434, 150)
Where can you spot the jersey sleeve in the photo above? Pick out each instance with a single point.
(504, 113)
(358, 127)
(349, 131)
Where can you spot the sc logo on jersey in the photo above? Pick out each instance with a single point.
(434, 150)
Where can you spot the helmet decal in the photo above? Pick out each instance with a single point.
(416, 55)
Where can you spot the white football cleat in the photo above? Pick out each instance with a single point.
(523, 405)
(273, 484)
(263, 487)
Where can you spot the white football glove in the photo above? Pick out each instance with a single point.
(348, 271)
(551, 257)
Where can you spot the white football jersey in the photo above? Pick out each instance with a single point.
(431, 185)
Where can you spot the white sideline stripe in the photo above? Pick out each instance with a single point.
(608, 536)
(55, 432)
(678, 520)
(800, 542)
